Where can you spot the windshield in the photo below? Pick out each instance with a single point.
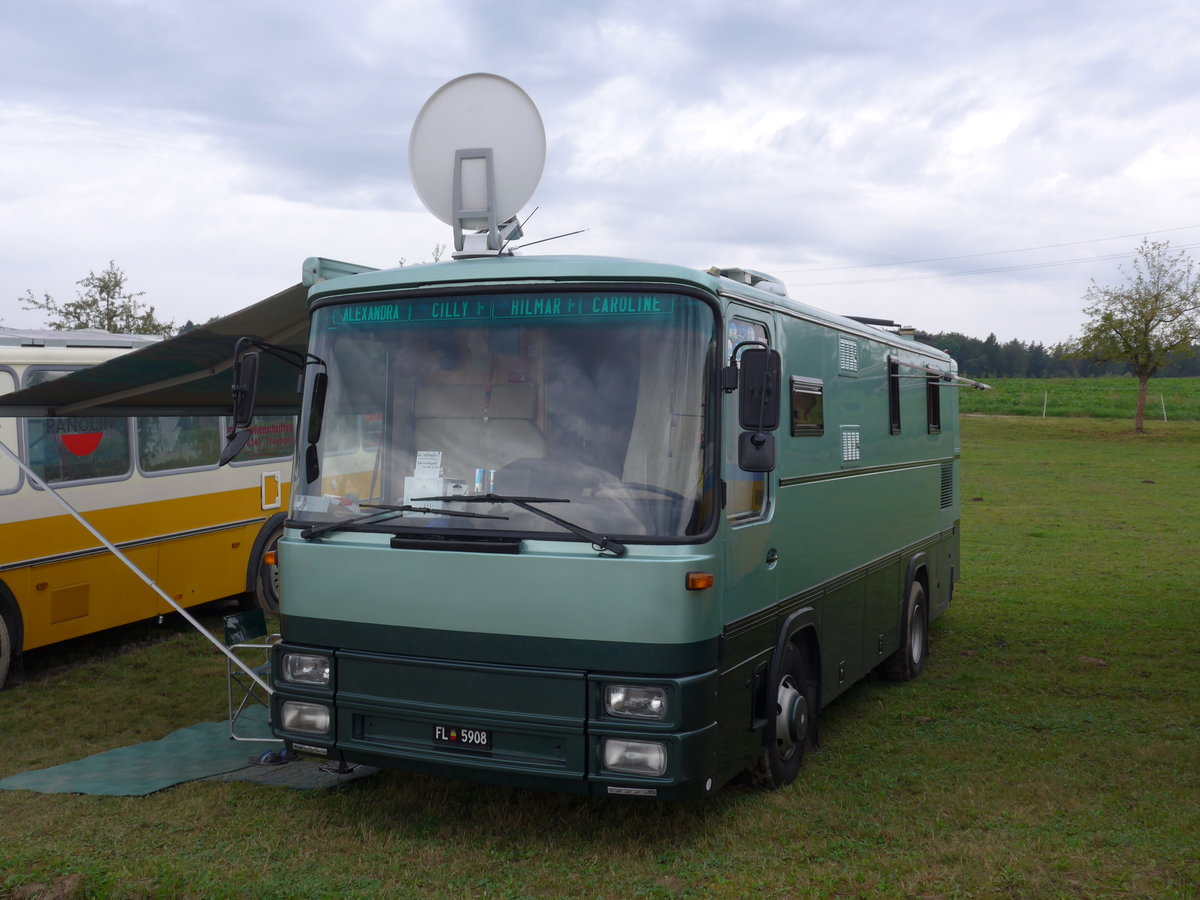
(597, 403)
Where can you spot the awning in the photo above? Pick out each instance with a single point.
(188, 374)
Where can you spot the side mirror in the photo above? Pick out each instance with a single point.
(756, 451)
(759, 391)
(245, 388)
(234, 445)
(316, 407)
(316, 417)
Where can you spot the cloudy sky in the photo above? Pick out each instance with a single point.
(958, 167)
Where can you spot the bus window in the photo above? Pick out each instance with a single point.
(76, 448)
(10, 474)
(169, 443)
(894, 394)
(808, 408)
(933, 403)
(273, 437)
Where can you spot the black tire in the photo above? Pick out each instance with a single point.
(266, 580)
(909, 659)
(791, 712)
(8, 649)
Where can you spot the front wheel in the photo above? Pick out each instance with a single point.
(790, 711)
(266, 581)
(909, 659)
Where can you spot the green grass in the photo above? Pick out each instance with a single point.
(1050, 749)
(1098, 398)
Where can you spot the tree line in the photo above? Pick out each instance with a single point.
(990, 358)
(1146, 326)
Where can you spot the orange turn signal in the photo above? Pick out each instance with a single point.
(699, 581)
(269, 558)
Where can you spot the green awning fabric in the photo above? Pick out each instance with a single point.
(198, 751)
(189, 374)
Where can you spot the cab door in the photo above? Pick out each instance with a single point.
(750, 553)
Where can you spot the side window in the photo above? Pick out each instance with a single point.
(273, 437)
(808, 406)
(75, 448)
(746, 492)
(168, 443)
(10, 473)
(933, 403)
(894, 394)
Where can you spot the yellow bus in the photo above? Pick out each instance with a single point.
(151, 485)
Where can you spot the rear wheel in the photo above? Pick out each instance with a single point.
(266, 582)
(790, 711)
(909, 659)
(7, 650)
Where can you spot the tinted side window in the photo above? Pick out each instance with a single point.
(178, 442)
(933, 403)
(274, 437)
(808, 406)
(10, 473)
(894, 395)
(78, 447)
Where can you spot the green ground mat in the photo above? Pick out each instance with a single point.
(198, 751)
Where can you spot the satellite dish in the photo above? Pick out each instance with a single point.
(476, 153)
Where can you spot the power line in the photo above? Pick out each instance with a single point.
(913, 262)
(989, 271)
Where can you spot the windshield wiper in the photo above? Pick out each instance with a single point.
(387, 512)
(616, 548)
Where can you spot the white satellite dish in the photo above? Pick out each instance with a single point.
(476, 154)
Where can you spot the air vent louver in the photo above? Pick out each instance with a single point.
(847, 355)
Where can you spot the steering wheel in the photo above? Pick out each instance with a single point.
(654, 489)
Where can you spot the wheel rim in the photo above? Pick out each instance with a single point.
(791, 718)
(916, 642)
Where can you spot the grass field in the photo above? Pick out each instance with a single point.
(1050, 749)
(1097, 398)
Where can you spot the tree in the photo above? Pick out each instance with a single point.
(104, 303)
(1155, 313)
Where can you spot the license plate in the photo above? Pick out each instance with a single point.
(462, 738)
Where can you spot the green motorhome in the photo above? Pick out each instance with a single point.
(603, 526)
(590, 524)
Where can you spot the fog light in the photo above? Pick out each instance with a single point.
(635, 701)
(306, 668)
(306, 718)
(635, 757)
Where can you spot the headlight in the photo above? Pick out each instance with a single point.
(306, 718)
(635, 701)
(306, 668)
(635, 757)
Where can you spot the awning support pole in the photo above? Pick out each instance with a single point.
(135, 570)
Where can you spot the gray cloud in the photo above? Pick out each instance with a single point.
(803, 137)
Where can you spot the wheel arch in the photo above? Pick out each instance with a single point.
(800, 629)
(260, 545)
(918, 570)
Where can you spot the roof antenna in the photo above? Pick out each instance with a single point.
(555, 238)
(518, 231)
